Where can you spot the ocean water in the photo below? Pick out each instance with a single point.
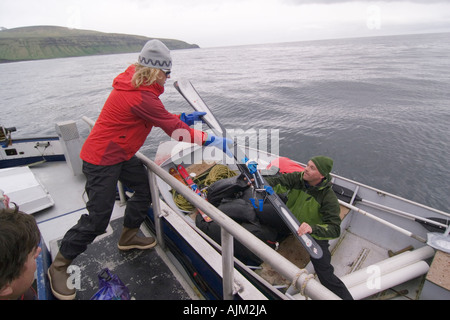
(380, 107)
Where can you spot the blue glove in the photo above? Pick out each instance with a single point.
(252, 167)
(269, 190)
(190, 119)
(221, 143)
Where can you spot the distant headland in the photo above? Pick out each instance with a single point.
(48, 42)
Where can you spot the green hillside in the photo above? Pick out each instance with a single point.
(47, 42)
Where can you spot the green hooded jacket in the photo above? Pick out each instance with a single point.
(316, 205)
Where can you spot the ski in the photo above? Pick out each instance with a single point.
(174, 173)
(187, 90)
(182, 170)
(187, 178)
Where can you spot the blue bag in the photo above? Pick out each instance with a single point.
(111, 287)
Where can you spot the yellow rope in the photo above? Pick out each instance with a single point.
(218, 172)
(181, 202)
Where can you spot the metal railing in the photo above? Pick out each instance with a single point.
(230, 230)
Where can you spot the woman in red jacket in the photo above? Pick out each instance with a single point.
(129, 114)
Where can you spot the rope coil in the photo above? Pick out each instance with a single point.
(218, 172)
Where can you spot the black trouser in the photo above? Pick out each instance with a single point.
(325, 272)
(101, 187)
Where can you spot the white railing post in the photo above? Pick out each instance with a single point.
(156, 208)
(227, 264)
(122, 196)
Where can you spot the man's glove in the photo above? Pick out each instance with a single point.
(269, 190)
(221, 143)
(252, 166)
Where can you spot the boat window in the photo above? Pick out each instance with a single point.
(11, 152)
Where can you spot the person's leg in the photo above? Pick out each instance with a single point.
(101, 184)
(101, 187)
(325, 272)
(134, 176)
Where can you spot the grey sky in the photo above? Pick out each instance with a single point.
(211, 23)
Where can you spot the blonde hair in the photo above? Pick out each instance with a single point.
(144, 76)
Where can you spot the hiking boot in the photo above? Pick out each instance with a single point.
(58, 276)
(129, 240)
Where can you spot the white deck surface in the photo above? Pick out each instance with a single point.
(24, 189)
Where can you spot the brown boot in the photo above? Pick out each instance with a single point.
(58, 276)
(129, 240)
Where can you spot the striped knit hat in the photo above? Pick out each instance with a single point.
(156, 55)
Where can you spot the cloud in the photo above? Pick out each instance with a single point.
(233, 22)
(306, 2)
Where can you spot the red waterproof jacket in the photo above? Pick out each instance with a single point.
(128, 116)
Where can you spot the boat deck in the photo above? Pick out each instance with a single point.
(144, 272)
(149, 274)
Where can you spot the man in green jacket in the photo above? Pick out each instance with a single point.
(313, 202)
